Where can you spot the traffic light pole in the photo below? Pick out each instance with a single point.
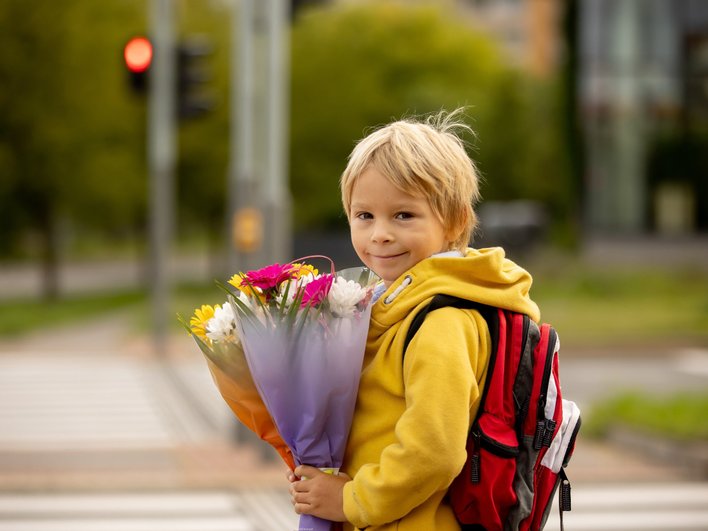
(259, 198)
(161, 164)
(277, 194)
(243, 192)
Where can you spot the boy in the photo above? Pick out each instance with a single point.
(408, 192)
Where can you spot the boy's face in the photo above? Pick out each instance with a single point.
(391, 230)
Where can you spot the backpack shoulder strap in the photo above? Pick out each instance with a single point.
(489, 313)
(510, 332)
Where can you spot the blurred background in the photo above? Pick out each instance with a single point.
(149, 147)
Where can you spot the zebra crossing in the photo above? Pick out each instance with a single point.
(81, 408)
(627, 507)
(261, 510)
(89, 403)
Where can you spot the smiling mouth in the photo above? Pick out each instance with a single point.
(388, 257)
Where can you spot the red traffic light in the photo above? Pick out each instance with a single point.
(138, 54)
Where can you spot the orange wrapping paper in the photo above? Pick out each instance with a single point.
(239, 391)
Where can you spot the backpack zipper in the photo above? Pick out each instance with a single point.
(545, 427)
(480, 441)
(523, 407)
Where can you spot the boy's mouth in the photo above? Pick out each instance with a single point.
(388, 257)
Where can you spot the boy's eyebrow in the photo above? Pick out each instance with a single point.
(399, 205)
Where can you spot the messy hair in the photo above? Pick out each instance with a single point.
(425, 158)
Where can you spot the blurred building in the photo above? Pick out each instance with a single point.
(529, 30)
(643, 100)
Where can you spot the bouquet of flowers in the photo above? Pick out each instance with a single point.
(286, 351)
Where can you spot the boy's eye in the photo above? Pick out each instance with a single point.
(404, 215)
(363, 215)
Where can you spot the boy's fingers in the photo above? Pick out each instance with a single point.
(299, 486)
(305, 470)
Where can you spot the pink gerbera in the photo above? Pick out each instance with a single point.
(269, 277)
(316, 291)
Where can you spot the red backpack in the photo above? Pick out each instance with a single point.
(524, 433)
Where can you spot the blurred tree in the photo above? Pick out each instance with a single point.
(72, 133)
(357, 66)
(68, 138)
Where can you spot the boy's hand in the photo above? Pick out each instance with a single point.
(319, 495)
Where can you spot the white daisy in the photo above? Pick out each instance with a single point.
(343, 297)
(221, 327)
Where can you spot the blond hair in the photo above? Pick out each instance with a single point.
(424, 158)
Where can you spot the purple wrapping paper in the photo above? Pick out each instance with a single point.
(308, 380)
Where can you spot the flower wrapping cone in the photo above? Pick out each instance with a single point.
(286, 353)
(245, 402)
(308, 377)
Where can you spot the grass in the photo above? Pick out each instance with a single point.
(620, 308)
(680, 417)
(21, 316)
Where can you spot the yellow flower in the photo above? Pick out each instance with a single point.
(302, 270)
(249, 291)
(235, 281)
(199, 320)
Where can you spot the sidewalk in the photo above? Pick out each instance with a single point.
(176, 431)
(88, 407)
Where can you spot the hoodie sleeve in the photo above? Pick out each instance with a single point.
(429, 440)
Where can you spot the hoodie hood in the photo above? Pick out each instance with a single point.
(480, 275)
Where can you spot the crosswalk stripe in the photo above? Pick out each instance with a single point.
(79, 402)
(271, 510)
(131, 524)
(664, 506)
(641, 495)
(259, 510)
(144, 503)
(604, 521)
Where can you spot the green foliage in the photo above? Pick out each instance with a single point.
(683, 416)
(72, 134)
(355, 67)
(622, 307)
(70, 140)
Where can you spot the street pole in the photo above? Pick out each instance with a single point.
(277, 195)
(244, 218)
(161, 157)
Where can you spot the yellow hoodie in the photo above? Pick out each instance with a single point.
(407, 441)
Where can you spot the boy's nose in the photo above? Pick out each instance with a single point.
(381, 233)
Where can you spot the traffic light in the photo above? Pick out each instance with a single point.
(193, 98)
(137, 54)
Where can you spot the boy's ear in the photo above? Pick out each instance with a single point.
(457, 228)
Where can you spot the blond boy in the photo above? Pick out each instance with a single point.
(408, 191)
